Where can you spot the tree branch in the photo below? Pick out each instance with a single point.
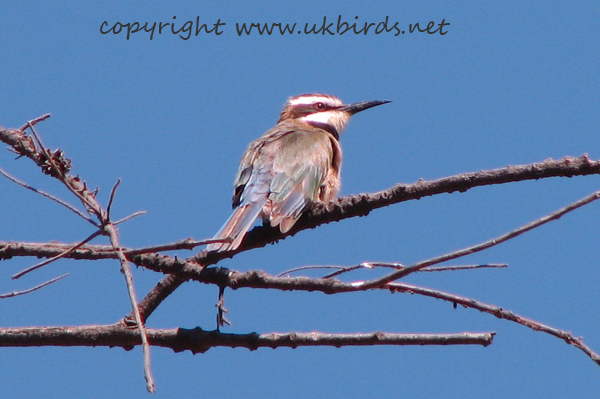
(346, 207)
(49, 196)
(58, 166)
(362, 204)
(498, 312)
(187, 269)
(198, 341)
(111, 231)
(37, 287)
(487, 244)
(343, 208)
(59, 256)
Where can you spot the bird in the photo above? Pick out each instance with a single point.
(294, 164)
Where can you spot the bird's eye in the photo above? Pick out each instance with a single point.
(319, 106)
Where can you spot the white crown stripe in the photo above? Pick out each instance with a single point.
(314, 99)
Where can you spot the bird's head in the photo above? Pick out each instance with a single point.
(323, 111)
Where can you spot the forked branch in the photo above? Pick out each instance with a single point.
(55, 164)
(179, 270)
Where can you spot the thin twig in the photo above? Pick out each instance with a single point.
(153, 299)
(496, 311)
(221, 309)
(378, 282)
(60, 175)
(89, 201)
(311, 267)
(189, 269)
(188, 243)
(392, 265)
(47, 195)
(126, 218)
(93, 252)
(37, 287)
(43, 148)
(399, 266)
(112, 197)
(464, 267)
(362, 204)
(61, 255)
(35, 121)
(114, 240)
(364, 265)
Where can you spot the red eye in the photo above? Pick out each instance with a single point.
(319, 106)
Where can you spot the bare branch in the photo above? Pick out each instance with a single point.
(49, 249)
(187, 269)
(364, 265)
(361, 204)
(188, 243)
(39, 140)
(199, 341)
(53, 164)
(339, 269)
(112, 197)
(90, 252)
(159, 293)
(110, 230)
(357, 205)
(498, 312)
(57, 166)
(191, 270)
(126, 218)
(37, 287)
(480, 247)
(47, 195)
(61, 255)
(398, 266)
(35, 121)
(204, 259)
(221, 310)
(464, 267)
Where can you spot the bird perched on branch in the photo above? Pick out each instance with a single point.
(292, 165)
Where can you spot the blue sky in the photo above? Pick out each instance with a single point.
(510, 83)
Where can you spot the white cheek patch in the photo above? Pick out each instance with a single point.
(320, 117)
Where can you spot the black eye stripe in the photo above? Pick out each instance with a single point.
(300, 110)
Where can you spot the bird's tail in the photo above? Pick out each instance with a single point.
(236, 227)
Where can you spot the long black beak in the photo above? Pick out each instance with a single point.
(357, 107)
